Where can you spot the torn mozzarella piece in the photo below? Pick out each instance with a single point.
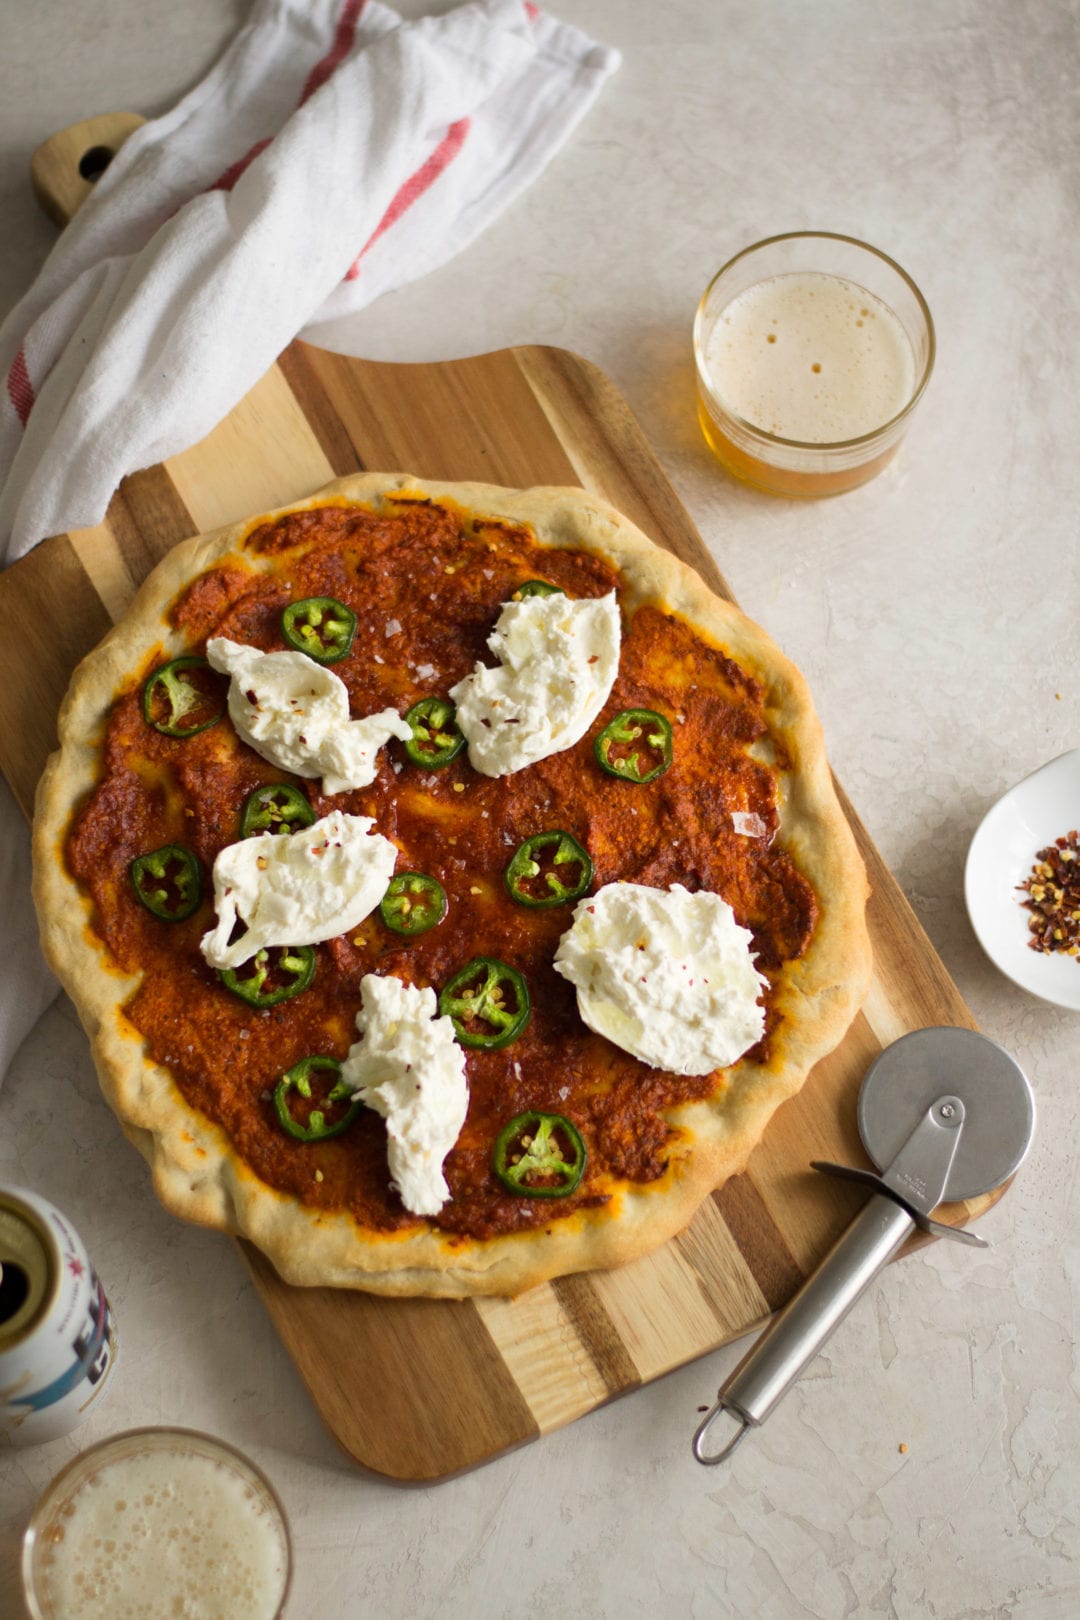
(297, 888)
(295, 713)
(558, 659)
(410, 1069)
(667, 975)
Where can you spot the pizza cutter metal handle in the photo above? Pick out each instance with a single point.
(797, 1334)
(935, 1140)
(919, 1172)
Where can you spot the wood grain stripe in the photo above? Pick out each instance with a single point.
(810, 1209)
(470, 419)
(36, 668)
(906, 965)
(324, 421)
(903, 955)
(725, 1274)
(660, 1311)
(596, 1330)
(391, 1403)
(263, 455)
(99, 551)
(883, 1016)
(755, 1235)
(545, 1354)
(145, 519)
(159, 518)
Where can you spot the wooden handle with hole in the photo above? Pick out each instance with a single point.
(64, 168)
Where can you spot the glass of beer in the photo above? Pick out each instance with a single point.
(812, 351)
(158, 1521)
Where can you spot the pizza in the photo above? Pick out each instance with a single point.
(451, 886)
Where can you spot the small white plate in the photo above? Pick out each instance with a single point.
(1041, 808)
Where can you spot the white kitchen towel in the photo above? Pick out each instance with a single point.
(333, 153)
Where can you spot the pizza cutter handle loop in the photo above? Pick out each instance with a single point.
(711, 1458)
(795, 1336)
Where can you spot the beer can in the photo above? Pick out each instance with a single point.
(57, 1337)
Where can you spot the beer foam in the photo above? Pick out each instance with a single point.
(811, 356)
(166, 1532)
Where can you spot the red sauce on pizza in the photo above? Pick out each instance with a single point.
(426, 584)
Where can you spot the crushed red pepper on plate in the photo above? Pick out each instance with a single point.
(1053, 890)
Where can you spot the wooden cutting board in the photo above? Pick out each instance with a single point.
(448, 1385)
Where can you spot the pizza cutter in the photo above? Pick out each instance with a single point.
(945, 1114)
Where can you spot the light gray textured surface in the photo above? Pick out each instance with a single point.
(934, 613)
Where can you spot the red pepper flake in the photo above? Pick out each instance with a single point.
(1053, 891)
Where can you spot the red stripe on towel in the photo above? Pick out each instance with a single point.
(20, 388)
(415, 186)
(226, 181)
(344, 35)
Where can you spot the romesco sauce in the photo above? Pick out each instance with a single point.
(426, 584)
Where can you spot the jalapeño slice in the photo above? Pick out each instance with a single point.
(167, 881)
(183, 697)
(299, 1079)
(276, 807)
(539, 1156)
(488, 1002)
(549, 869)
(635, 746)
(273, 974)
(320, 626)
(436, 738)
(536, 587)
(413, 903)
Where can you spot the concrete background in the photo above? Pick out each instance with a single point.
(934, 613)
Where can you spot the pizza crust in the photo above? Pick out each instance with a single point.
(196, 1174)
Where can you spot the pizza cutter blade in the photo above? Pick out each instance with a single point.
(945, 1114)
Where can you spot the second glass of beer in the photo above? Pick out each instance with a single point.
(812, 351)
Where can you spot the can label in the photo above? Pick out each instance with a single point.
(58, 1348)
